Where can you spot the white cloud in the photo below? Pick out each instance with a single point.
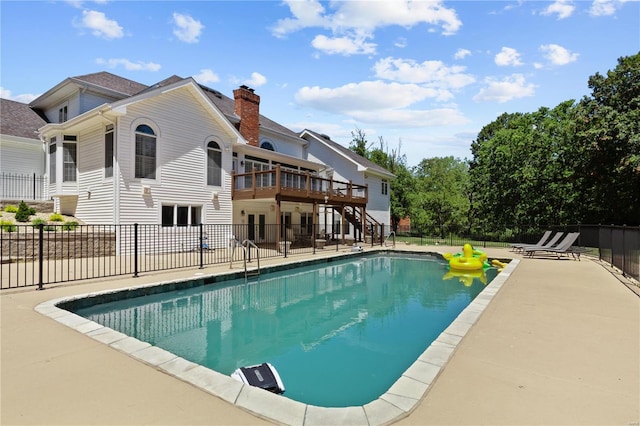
(100, 25)
(129, 65)
(206, 76)
(509, 88)
(25, 98)
(428, 73)
(362, 19)
(400, 42)
(367, 15)
(562, 8)
(187, 29)
(343, 45)
(602, 8)
(308, 13)
(367, 95)
(508, 56)
(461, 54)
(412, 118)
(256, 80)
(380, 103)
(558, 55)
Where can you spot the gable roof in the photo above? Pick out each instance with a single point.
(111, 82)
(19, 120)
(103, 82)
(359, 160)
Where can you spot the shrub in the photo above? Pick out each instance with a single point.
(70, 226)
(10, 208)
(24, 211)
(7, 226)
(56, 217)
(50, 228)
(37, 222)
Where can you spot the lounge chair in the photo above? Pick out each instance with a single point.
(518, 246)
(551, 243)
(563, 247)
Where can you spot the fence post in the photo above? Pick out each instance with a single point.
(373, 235)
(41, 255)
(34, 187)
(201, 248)
(135, 250)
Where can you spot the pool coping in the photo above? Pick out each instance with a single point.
(399, 400)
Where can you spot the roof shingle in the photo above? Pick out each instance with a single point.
(19, 119)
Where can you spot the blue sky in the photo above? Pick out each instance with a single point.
(425, 76)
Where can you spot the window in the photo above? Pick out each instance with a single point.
(174, 215)
(62, 114)
(306, 223)
(52, 160)
(108, 151)
(145, 152)
(385, 187)
(214, 164)
(69, 159)
(267, 145)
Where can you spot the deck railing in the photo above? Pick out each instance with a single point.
(296, 185)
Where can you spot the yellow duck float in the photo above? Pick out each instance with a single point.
(468, 260)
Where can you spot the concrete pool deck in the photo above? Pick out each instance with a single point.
(558, 344)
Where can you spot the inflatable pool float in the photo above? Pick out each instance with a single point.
(468, 260)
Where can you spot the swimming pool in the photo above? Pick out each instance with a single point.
(398, 398)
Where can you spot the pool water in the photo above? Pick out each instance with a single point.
(339, 334)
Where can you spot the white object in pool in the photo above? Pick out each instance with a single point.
(264, 376)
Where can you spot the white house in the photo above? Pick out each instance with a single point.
(22, 161)
(179, 154)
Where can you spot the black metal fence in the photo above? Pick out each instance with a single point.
(46, 254)
(15, 186)
(617, 245)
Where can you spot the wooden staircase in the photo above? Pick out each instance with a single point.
(355, 218)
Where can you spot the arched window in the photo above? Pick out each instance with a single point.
(214, 164)
(267, 145)
(145, 152)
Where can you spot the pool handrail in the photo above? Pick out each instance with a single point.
(246, 245)
(391, 234)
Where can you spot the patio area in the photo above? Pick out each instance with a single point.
(558, 344)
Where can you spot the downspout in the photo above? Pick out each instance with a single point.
(45, 188)
(116, 171)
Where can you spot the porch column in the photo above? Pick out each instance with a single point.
(363, 225)
(278, 214)
(342, 223)
(314, 228)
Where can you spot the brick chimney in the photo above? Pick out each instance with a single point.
(247, 107)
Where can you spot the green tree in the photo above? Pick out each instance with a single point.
(24, 211)
(441, 195)
(394, 162)
(523, 170)
(359, 143)
(608, 142)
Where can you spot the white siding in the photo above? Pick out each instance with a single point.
(378, 205)
(95, 193)
(89, 101)
(183, 127)
(23, 156)
(284, 146)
